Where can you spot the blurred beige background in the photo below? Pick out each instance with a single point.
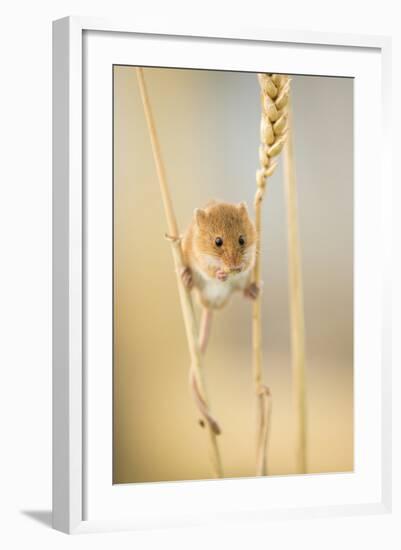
(208, 123)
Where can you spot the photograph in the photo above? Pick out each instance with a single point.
(233, 254)
(199, 281)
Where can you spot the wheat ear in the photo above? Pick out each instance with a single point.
(188, 312)
(296, 301)
(274, 90)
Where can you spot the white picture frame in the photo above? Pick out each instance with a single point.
(83, 496)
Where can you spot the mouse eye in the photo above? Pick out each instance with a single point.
(241, 240)
(218, 241)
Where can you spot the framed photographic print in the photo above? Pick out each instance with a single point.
(220, 264)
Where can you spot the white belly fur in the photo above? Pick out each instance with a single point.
(215, 293)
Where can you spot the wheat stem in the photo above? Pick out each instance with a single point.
(296, 302)
(273, 128)
(188, 312)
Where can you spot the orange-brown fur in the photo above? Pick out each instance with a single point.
(230, 264)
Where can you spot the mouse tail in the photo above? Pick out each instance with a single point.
(202, 406)
(204, 330)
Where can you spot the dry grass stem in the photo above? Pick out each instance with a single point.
(296, 303)
(196, 376)
(273, 131)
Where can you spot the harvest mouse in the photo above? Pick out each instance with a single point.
(219, 249)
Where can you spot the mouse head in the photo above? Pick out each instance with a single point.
(225, 238)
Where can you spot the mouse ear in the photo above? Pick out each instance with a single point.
(243, 209)
(200, 216)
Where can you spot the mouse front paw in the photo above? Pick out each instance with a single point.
(252, 291)
(186, 277)
(221, 275)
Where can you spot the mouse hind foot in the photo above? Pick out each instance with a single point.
(187, 278)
